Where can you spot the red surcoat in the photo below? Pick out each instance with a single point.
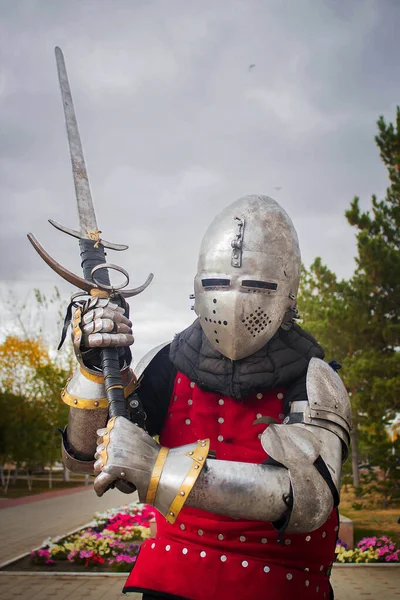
(205, 556)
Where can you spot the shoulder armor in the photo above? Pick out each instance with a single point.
(328, 400)
(147, 358)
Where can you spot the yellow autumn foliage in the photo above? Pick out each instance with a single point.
(20, 359)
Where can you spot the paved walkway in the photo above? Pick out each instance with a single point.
(63, 588)
(26, 525)
(357, 583)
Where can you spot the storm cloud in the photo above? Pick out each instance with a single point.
(175, 126)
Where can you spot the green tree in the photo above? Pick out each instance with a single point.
(30, 404)
(357, 320)
(32, 375)
(377, 278)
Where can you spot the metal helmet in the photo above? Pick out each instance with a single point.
(248, 276)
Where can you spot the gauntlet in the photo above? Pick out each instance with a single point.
(164, 478)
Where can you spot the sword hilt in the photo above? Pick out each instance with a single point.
(117, 407)
(113, 383)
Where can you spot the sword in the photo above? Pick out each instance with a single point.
(96, 279)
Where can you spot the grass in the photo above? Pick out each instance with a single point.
(20, 488)
(370, 520)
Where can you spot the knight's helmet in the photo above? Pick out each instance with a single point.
(248, 276)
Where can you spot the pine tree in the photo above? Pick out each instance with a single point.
(377, 278)
(358, 321)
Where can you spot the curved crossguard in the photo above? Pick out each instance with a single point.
(79, 282)
(78, 235)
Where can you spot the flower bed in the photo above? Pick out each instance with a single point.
(110, 542)
(369, 550)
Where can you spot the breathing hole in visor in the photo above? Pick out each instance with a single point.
(263, 285)
(213, 283)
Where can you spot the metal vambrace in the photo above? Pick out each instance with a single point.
(85, 394)
(292, 490)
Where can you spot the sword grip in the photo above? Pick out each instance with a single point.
(117, 406)
(113, 383)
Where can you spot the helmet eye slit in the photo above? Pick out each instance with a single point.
(263, 285)
(215, 283)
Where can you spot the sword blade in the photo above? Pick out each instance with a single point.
(87, 216)
(92, 253)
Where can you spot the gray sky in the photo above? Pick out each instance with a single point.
(175, 127)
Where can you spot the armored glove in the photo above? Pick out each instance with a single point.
(100, 323)
(104, 324)
(163, 477)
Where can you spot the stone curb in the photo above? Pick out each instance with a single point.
(338, 564)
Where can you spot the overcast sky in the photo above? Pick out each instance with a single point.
(176, 125)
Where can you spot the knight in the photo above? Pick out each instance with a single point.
(253, 426)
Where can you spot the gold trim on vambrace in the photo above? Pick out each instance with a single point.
(83, 403)
(155, 476)
(106, 440)
(90, 404)
(99, 377)
(199, 456)
(91, 376)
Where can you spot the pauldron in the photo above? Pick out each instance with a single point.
(328, 403)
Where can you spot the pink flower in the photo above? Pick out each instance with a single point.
(125, 558)
(388, 558)
(86, 554)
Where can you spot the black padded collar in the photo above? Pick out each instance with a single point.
(278, 364)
